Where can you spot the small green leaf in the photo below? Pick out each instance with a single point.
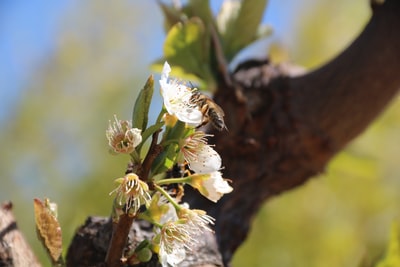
(142, 105)
(238, 23)
(144, 244)
(164, 160)
(168, 156)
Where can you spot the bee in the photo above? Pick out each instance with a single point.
(210, 110)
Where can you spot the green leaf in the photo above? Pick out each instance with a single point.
(164, 160)
(188, 45)
(200, 9)
(171, 15)
(238, 23)
(194, 8)
(141, 109)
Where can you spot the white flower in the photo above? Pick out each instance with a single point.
(202, 158)
(175, 237)
(132, 192)
(198, 219)
(177, 99)
(122, 138)
(211, 185)
(170, 214)
(176, 255)
(180, 235)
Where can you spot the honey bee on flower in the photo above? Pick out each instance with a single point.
(177, 99)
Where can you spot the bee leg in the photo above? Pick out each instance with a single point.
(203, 122)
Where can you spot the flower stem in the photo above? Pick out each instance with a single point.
(173, 181)
(167, 196)
(153, 152)
(118, 240)
(171, 141)
(135, 157)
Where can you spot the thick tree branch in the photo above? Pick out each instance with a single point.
(284, 130)
(356, 85)
(287, 129)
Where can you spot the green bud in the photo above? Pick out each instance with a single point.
(144, 255)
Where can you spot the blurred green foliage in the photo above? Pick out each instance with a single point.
(392, 255)
(54, 145)
(341, 218)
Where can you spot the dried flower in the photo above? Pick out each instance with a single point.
(132, 192)
(211, 185)
(122, 138)
(177, 99)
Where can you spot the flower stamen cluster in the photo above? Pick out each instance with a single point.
(122, 138)
(175, 237)
(132, 192)
(197, 219)
(200, 156)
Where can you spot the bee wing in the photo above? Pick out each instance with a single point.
(219, 109)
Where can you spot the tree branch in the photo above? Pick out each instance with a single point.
(287, 129)
(14, 250)
(284, 130)
(356, 85)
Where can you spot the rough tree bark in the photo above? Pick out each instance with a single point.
(14, 250)
(282, 131)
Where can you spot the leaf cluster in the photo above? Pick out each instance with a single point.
(197, 41)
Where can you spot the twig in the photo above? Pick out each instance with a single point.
(122, 227)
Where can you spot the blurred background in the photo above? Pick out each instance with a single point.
(68, 66)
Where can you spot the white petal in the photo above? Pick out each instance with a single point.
(170, 215)
(216, 186)
(193, 117)
(172, 259)
(177, 99)
(136, 136)
(165, 72)
(207, 160)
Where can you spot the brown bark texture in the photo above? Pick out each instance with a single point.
(282, 131)
(14, 250)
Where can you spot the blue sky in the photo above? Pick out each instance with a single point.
(26, 33)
